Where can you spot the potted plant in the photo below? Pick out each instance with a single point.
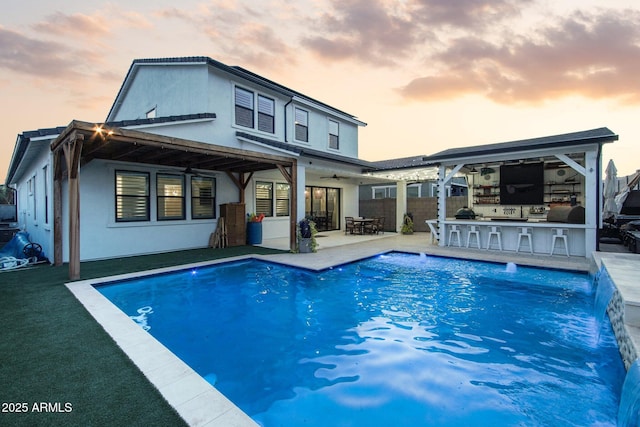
(254, 229)
(407, 224)
(306, 233)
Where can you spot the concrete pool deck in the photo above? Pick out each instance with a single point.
(201, 404)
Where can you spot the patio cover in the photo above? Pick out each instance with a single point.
(81, 142)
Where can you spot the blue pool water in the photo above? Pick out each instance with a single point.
(398, 339)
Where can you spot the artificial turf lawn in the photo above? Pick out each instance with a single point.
(53, 351)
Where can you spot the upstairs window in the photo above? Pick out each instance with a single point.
(203, 197)
(302, 125)
(170, 194)
(251, 109)
(334, 135)
(266, 114)
(132, 196)
(244, 107)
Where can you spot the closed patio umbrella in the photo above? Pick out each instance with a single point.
(610, 183)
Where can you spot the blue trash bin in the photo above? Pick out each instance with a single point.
(254, 233)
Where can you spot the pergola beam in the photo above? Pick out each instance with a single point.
(81, 142)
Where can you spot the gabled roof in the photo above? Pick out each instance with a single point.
(599, 136)
(233, 70)
(22, 144)
(308, 152)
(27, 136)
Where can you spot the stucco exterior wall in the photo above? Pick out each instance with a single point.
(103, 237)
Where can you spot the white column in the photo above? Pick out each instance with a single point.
(302, 180)
(442, 203)
(591, 201)
(401, 203)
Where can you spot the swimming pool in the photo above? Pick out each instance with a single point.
(397, 339)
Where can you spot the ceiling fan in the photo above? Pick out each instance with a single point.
(188, 171)
(334, 176)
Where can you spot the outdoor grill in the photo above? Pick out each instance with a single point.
(566, 214)
(465, 213)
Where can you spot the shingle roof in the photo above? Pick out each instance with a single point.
(296, 149)
(402, 163)
(25, 137)
(233, 70)
(599, 135)
(156, 120)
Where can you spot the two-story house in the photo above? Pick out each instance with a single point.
(183, 137)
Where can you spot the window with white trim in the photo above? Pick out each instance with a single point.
(283, 192)
(203, 197)
(264, 198)
(266, 114)
(35, 199)
(244, 107)
(132, 196)
(251, 109)
(45, 175)
(334, 134)
(414, 190)
(302, 125)
(170, 197)
(383, 192)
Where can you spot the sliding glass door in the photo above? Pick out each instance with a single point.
(323, 205)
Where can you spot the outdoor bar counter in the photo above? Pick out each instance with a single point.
(541, 233)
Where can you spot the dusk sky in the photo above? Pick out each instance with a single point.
(425, 75)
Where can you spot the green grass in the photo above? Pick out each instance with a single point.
(52, 350)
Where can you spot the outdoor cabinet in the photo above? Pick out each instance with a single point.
(236, 223)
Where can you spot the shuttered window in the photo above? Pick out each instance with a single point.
(266, 114)
(244, 107)
(132, 196)
(282, 199)
(170, 195)
(334, 135)
(203, 197)
(264, 198)
(302, 125)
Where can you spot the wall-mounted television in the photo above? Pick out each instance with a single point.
(522, 184)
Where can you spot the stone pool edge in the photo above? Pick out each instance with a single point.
(201, 404)
(624, 308)
(196, 401)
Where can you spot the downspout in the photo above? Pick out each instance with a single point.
(286, 138)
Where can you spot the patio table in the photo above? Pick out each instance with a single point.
(359, 223)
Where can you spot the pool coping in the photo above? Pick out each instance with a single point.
(198, 402)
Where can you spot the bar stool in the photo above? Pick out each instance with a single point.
(473, 231)
(455, 231)
(494, 231)
(524, 236)
(559, 234)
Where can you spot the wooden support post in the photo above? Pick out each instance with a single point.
(241, 182)
(72, 151)
(57, 208)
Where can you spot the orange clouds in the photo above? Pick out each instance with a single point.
(592, 55)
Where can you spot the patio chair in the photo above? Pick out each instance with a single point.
(372, 227)
(348, 225)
